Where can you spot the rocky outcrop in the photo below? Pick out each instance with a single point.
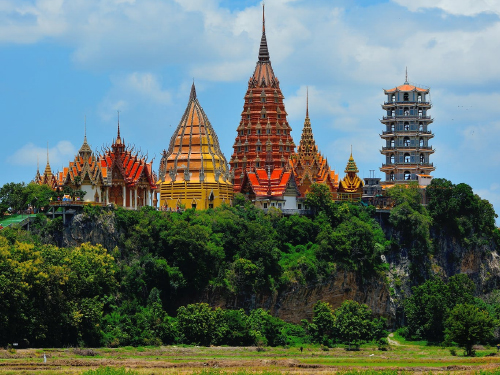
(96, 230)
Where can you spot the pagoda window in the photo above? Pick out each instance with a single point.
(406, 97)
(407, 126)
(420, 113)
(193, 205)
(246, 148)
(258, 131)
(236, 165)
(276, 99)
(407, 175)
(250, 100)
(282, 164)
(242, 132)
(393, 158)
(265, 205)
(268, 131)
(257, 164)
(288, 148)
(419, 98)
(263, 115)
(278, 131)
(257, 148)
(393, 113)
(406, 142)
(391, 142)
(422, 158)
(407, 158)
(279, 116)
(391, 128)
(249, 131)
(421, 142)
(281, 148)
(263, 99)
(248, 116)
(391, 176)
(393, 98)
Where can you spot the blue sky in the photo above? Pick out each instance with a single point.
(64, 60)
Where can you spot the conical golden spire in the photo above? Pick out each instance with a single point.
(351, 165)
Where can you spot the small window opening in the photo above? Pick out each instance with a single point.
(406, 97)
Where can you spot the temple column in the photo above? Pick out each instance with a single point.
(135, 201)
(124, 196)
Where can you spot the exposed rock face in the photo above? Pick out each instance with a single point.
(296, 302)
(101, 230)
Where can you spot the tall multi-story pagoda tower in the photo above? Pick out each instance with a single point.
(263, 139)
(406, 134)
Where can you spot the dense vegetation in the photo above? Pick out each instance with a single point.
(134, 294)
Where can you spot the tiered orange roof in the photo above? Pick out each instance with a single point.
(47, 178)
(85, 165)
(268, 184)
(120, 162)
(308, 165)
(263, 137)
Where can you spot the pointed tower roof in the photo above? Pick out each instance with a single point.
(48, 171)
(263, 51)
(308, 165)
(85, 149)
(263, 75)
(194, 153)
(351, 165)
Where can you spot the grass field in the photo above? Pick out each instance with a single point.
(404, 357)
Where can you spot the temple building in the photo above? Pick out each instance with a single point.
(406, 134)
(263, 136)
(308, 165)
(84, 173)
(351, 186)
(193, 172)
(47, 178)
(127, 179)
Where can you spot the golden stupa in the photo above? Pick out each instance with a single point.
(194, 172)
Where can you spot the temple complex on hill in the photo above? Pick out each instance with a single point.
(263, 138)
(193, 172)
(407, 149)
(308, 165)
(351, 186)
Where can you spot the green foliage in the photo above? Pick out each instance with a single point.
(351, 324)
(429, 305)
(13, 196)
(457, 210)
(467, 325)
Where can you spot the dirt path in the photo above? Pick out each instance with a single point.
(393, 342)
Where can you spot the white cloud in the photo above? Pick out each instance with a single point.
(455, 7)
(28, 154)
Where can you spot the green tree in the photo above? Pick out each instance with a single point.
(353, 323)
(323, 324)
(13, 196)
(467, 325)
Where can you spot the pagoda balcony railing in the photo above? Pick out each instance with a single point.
(407, 103)
(423, 132)
(410, 164)
(421, 117)
(423, 148)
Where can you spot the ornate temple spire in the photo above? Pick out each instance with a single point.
(351, 165)
(85, 150)
(263, 51)
(307, 102)
(48, 171)
(192, 95)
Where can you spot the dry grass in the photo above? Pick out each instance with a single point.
(412, 359)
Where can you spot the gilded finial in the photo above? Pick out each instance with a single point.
(406, 76)
(118, 137)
